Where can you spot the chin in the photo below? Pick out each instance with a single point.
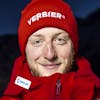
(46, 73)
(50, 74)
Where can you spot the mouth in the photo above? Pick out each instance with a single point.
(51, 66)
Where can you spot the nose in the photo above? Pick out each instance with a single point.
(49, 51)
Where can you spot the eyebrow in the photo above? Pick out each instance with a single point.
(61, 33)
(58, 33)
(39, 35)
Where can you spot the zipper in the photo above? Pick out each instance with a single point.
(58, 89)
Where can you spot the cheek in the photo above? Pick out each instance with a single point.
(65, 51)
(33, 53)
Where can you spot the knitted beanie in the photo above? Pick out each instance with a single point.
(46, 13)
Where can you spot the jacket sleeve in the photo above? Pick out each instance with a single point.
(8, 98)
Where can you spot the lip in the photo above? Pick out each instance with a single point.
(51, 66)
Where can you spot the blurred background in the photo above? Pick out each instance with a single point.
(87, 13)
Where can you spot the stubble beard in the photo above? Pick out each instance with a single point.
(36, 73)
(67, 69)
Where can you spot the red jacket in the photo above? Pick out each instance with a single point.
(80, 85)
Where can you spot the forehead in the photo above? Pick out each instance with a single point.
(49, 31)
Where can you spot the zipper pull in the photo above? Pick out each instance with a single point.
(58, 87)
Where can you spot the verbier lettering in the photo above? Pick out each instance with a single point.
(44, 14)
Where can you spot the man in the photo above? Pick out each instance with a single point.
(49, 67)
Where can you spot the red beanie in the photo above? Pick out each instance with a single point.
(47, 13)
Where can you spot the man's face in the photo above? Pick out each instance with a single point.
(49, 51)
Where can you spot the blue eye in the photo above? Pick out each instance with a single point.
(37, 43)
(60, 41)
